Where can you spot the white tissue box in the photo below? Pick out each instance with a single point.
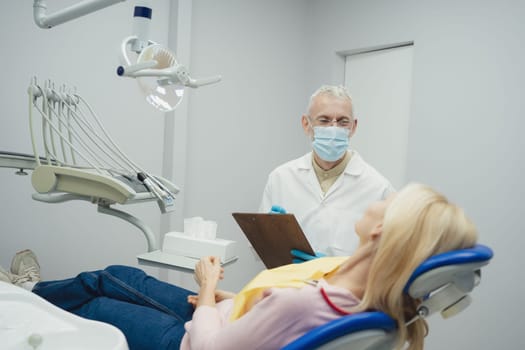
(181, 244)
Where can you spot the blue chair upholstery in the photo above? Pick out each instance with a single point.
(443, 281)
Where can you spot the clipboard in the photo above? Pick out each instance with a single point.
(273, 236)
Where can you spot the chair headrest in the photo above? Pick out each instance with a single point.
(451, 263)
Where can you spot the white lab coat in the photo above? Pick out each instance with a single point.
(328, 219)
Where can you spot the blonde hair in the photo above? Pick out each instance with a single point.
(418, 223)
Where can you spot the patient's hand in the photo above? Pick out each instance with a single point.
(208, 272)
(220, 295)
(204, 267)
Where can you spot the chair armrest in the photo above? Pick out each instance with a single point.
(444, 268)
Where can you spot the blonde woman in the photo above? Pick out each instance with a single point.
(417, 224)
(279, 305)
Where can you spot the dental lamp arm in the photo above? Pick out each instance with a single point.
(180, 75)
(166, 76)
(177, 74)
(67, 14)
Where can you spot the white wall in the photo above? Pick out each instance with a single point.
(243, 127)
(464, 134)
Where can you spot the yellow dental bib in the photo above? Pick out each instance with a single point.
(286, 276)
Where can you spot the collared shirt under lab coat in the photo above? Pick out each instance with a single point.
(328, 219)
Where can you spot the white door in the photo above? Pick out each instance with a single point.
(380, 83)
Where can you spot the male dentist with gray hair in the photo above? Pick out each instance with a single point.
(329, 188)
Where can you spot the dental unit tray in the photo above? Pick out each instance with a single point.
(122, 189)
(52, 182)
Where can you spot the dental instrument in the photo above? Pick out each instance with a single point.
(165, 199)
(83, 162)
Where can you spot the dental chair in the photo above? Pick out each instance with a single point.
(443, 282)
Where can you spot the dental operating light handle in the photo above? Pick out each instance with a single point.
(203, 81)
(179, 74)
(67, 14)
(133, 68)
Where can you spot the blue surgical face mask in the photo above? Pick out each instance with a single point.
(330, 142)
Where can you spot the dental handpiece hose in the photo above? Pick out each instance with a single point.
(152, 187)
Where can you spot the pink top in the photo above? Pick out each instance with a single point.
(282, 315)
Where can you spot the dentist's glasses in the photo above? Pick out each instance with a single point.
(343, 122)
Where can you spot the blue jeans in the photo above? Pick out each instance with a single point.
(149, 312)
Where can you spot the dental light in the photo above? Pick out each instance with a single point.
(160, 77)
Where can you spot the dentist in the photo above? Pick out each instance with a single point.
(329, 188)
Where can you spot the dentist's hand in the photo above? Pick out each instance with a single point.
(277, 209)
(300, 256)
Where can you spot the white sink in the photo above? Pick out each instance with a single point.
(28, 322)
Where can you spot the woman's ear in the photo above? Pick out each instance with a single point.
(376, 231)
